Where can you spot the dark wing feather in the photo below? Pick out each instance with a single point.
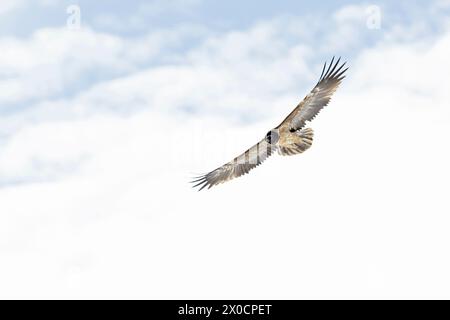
(241, 165)
(318, 97)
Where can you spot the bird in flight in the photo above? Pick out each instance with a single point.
(289, 138)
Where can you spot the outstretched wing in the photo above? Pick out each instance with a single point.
(318, 98)
(239, 166)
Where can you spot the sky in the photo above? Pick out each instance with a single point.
(108, 109)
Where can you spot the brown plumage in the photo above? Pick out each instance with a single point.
(289, 138)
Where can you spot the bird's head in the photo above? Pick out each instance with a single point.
(272, 136)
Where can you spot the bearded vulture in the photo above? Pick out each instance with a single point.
(289, 138)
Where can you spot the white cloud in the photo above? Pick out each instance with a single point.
(442, 3)
(8, 6)
(54, 61)
(145, 12)
(363, 214)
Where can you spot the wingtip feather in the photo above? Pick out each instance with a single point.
(333, 71)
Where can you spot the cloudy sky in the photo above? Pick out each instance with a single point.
(108, 109)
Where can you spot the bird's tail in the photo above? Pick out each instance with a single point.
(303, 142)
(306, 136)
